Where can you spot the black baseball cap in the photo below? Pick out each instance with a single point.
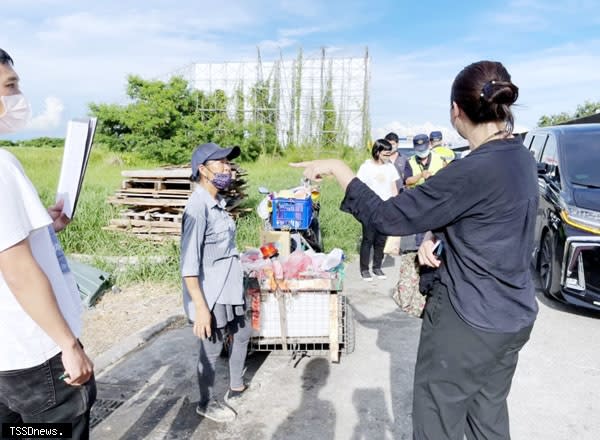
(211, 151)
(435, 136)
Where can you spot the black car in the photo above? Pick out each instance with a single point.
(567, 251)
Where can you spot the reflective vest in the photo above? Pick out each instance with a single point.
(436, 163)
(446, 153)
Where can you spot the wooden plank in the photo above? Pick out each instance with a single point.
(130, 213)
(166, 217)
(282, 321)
(145, 236)
(157, 185)
(234, 205)
(173, 173)
(143, 230)
(152, 182)
(334, 342)
(156, 225)
(164, 192)
(140, 201)
(152, 194)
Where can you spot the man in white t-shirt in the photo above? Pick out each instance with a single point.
(45, 376)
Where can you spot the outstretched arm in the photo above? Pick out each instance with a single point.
(428, 207)
(317, 169)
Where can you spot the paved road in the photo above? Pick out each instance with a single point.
(366, 396)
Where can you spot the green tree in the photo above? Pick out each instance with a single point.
(166, 120)
(40, 142)
(588, 108)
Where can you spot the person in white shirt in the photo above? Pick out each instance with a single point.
(45, 375)
(380, 175)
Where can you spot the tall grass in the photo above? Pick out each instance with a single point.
(85, 235)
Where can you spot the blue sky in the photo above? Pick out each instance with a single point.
(71, 53)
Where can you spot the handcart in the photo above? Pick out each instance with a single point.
(306, 317)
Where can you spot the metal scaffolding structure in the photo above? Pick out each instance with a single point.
(319, 101)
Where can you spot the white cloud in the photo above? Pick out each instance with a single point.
(50, 118)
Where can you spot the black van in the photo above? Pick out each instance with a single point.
(567, 253)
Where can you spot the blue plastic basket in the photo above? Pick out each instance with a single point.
(291, 213)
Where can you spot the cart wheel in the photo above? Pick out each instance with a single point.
(348, 329)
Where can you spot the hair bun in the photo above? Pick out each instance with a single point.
(499, 92)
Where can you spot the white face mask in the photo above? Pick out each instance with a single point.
(423, 154)
(17, 113)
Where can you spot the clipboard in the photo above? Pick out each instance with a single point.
(76, 154)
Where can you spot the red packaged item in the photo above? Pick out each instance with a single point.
(254, 294)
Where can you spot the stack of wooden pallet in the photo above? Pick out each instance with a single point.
(154, 200)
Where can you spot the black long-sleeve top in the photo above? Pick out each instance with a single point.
(484, 208)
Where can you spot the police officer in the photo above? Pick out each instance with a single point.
(424, 164)
(435, 141)
(435, 138)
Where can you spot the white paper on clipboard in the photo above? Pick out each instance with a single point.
(78, 145)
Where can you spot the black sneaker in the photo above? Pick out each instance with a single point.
(366, 275)
(216, 412)
(379, 274)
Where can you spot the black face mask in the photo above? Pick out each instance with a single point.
(221, 180)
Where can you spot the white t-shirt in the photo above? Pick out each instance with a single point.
(23, 344)
(379, 177)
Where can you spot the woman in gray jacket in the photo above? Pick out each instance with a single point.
(213, 294)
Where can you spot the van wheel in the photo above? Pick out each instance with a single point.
(549, 268)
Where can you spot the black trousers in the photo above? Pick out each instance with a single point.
(36, 395)
(463, 376)
(375, 240)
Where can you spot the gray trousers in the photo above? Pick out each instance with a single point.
(463, 376)
(239, 329)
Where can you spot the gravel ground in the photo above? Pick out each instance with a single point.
(119, 314)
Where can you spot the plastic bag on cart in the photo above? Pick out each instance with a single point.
(296, 263)
(332, 260)
(263, 208)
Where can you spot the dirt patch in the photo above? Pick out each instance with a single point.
(119, 314)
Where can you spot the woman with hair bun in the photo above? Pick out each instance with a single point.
(481, 308)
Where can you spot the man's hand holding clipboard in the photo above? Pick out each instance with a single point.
(78, 145)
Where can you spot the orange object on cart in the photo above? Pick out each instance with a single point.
(254, 294)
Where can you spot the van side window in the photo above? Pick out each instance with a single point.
(537, 145)
(550, 158)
